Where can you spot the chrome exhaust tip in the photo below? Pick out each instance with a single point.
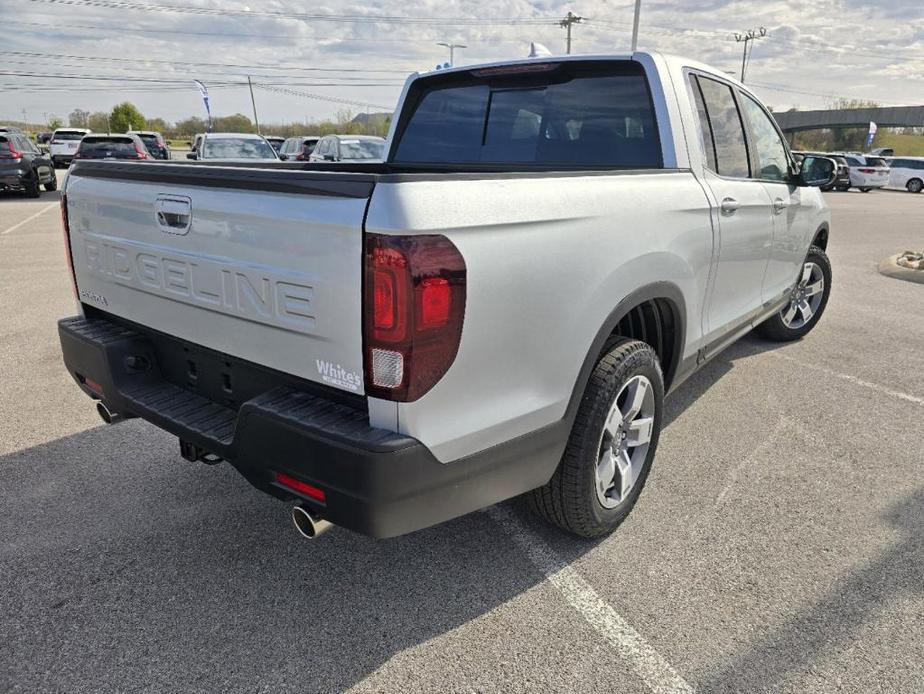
(108, 415)
(308, 524)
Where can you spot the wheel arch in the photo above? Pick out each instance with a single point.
(665, 295)
(820, 238)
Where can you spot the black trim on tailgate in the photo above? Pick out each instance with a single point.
(273, 178)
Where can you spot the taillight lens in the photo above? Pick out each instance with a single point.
(867, 170)
(67, 246)
(9, 152)
(414, 308)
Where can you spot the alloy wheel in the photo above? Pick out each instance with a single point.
(805, 297)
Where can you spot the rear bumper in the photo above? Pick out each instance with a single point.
(14, 178)
(376, 482)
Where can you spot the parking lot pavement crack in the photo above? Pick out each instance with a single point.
(641, 656)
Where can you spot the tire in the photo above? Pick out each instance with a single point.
(844, 189)
(915, 185)
(791, 323)
(33, 188)
(865, 190)
(52, 184)
(826, 189)
(574, 498)
(55, 164)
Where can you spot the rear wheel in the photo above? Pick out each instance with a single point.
(915, 185)
(807, 301)
(611, 446)
(33, 190)
(52, 182)
(865, 190)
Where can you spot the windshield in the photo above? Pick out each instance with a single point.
(362, 149)
(149, 139)
(105, 147)
(875, 161)
(66, 135)
(237, 148)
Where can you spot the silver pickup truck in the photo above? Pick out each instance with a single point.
(496, 309)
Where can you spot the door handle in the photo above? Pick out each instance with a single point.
(173, 213)
(779, 205)
(729, 206)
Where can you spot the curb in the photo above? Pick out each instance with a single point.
(889, 268)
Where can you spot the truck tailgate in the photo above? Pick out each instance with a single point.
(261, 264)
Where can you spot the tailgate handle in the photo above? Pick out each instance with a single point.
(173, 213)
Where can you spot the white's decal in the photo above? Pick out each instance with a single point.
(336, 375)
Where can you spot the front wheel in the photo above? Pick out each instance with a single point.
(865, 190)
(32, 188)
(52, 184)
(807, 301)
(611, 446)
(915, 185)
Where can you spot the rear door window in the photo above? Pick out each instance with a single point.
(571, 115)
(726, 127)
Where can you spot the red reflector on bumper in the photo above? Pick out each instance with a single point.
(304, 488)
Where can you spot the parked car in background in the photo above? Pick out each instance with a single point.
(234, 147)
(63, 145)
(275, 142)
(391, 351)
(367, 148)
(154, 142)
(102, 146)
(866, 172)
(43, 138)
(298, 148)
(9, 129)
(907, 173)
(23, 166)
(196, 143)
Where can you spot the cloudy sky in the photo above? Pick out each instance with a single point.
(60, 54)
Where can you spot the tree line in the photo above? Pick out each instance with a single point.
(126, 116)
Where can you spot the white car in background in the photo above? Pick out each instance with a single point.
(867, 172)
(234, 147)
(64, 144)
(907, 173)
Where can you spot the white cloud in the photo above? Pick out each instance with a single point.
(827, 47)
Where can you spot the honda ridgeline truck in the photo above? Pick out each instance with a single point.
(497, 309)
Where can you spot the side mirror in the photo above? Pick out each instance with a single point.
(283, 157)
(330, 157)
(817, 172)
(192, 155)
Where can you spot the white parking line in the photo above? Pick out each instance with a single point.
(648, 664)
(850, 379)
(28, 219)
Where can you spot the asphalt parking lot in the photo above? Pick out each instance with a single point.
(778, 546)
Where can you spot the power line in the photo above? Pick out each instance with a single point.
(321, 97)
(303, 16)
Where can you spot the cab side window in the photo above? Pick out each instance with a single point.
(715, 102)
(771, 152)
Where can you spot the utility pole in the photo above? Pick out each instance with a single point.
(638, 13)
(254, 103)
(452, 50)
(746, 38)
(570, 19)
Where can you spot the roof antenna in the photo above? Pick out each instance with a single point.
(537, 50)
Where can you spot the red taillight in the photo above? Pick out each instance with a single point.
(140, 153)
(10, 152)
(67, 246)
(414, 308)
(300, 487)
(867, 170)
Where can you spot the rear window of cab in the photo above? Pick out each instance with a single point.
(544, 115)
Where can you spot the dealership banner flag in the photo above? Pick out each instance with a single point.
(872, 134)
(203, 90)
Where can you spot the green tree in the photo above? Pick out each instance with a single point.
(54, 123)
(98, 122)
(188, 127)
(79, 118)
(125, 117)
(158, 125)
(238, 123)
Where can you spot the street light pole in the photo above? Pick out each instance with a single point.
(746, 38)
(452, 50)
(254, 104)
(638, 13)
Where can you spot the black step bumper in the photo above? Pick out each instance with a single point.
(376, 482)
